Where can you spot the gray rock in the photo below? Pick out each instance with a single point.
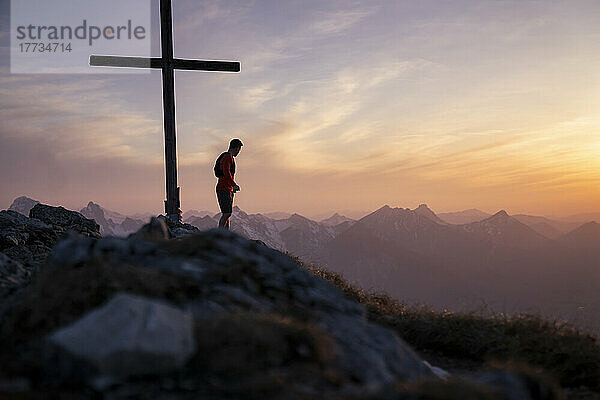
(26, 241)
(12, 273)
(130, 335)
(361, 343)
(29, 240)
(178, 229)
(240, 275)
(66, 219)
(156, 229)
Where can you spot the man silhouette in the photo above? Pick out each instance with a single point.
(226, 186)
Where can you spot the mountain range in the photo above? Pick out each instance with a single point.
(498, 263)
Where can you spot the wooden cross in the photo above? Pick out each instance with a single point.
(168, 64)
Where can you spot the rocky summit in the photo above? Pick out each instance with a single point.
(199, 309)
(26, 242)
(174, 312)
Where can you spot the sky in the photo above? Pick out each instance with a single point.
(342, 106)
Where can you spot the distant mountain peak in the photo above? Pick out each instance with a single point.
(91, 205)
(23, 198)
(591, 226)
(239, 211)
(23, 204)
(502, 214)
(297, 216)
(586, 235)
(501, 217)
(335, 219)
(426, 212)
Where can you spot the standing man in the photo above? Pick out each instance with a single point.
(226, 187)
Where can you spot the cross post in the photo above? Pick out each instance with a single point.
(167, 64)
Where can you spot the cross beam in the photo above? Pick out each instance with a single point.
(177, 63)
(167, 64)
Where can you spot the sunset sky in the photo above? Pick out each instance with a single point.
(342, 106)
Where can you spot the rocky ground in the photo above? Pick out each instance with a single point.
(174, 312)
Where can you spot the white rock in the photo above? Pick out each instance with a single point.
(131, 335)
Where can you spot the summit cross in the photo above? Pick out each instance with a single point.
(167, 64)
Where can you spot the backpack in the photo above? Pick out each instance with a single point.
(217, 168)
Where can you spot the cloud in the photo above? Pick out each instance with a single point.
(254, 96)
(75, 119)
(335, 22)
(32, 167)
(339, 109)
(192, 16)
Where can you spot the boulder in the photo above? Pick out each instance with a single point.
(224, 273)
(26, 241)
(130, 335)
(178, 229)
(155, 230)
(161, 227)
(60, 217)
(12, 273)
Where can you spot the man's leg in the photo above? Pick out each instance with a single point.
(224, 221)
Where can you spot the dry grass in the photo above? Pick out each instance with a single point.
(557, 348)
(265, 355)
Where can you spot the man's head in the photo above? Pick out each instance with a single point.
(235, 146)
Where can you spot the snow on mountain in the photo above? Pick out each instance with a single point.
(303, 236)
(257, 227)
(95, 212)
(116, 217)
(296, 234)
(203, 223)
(108, 227)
